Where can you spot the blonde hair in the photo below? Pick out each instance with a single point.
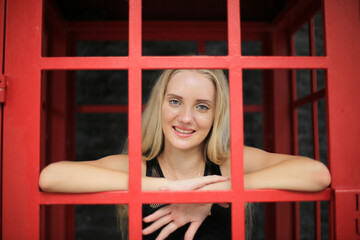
(216, 144)
(216, 147)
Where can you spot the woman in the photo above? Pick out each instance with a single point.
(185, 144)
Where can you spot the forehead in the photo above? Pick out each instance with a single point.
(191, 82)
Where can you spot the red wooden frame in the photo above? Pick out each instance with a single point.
(23, 113)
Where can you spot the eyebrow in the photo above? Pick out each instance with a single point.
(197, 100)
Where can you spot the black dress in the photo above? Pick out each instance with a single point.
(217, 226)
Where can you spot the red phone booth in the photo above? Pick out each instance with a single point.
(38, 108)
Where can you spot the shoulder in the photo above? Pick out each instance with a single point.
(119, 162)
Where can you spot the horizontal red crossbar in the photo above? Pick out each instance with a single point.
(103, 108)
(253, 108)
(286, 196)
(191, 62)
(122, 197)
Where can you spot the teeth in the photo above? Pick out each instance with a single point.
(183, 131)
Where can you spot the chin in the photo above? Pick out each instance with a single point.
(183, 145)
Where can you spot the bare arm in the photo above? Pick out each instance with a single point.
(281, 171)
(108, 174)
(77, 177)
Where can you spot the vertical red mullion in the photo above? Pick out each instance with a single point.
(201, 46)
(295, 133)
(234, 33)
(236, 121)
(134, 132)
(2, 40)
(313, 90)
(315, 125)
(331, 206)
(2, 35)
(21, 152)
(343, 111)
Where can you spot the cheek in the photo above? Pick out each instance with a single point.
(167, 114)
(205, 121)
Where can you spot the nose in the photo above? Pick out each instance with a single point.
(185, 115)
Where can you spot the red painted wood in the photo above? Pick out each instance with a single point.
(1, 168)
(342, 106)
(313, 97)
(102, 108)
(121, 197)
(21, 151)
(315, 124)
(347, 219)
(201, 47)
(2, 34)
(193, 62)
(280, 217)
(236, 121)
(165, 30)
(295, 14)
(342, 99)
(22, 162)
(295, 138)
(252, 108)
(135, 41)
(2, 39)
(60, 219)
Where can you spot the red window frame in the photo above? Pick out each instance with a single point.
(22, 118)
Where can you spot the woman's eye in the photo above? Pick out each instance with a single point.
(174, 102)
(203, 107)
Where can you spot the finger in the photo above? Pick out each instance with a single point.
(166, 231)
(190, 233)
(158, 214)
(157, 224)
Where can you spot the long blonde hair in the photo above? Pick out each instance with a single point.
(216, 147)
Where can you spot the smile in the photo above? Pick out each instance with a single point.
(184, 131)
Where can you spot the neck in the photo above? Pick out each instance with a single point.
(177, 164)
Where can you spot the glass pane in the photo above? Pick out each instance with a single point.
(324, 220)
(303, 83)
(252, 87)
(256, 221)
(169, 48)
(99, 135)
(253, 129)
(319, 41)
(301, 39)
(322, 131)
(216, 48)
(102, 48)
(95, 222)
(251, 48)
(307, 222)
(320, 76)
(101, 87)
(305, 131)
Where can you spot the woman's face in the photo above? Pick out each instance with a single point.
(188, 110)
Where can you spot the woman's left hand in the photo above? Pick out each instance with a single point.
(175, 216)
